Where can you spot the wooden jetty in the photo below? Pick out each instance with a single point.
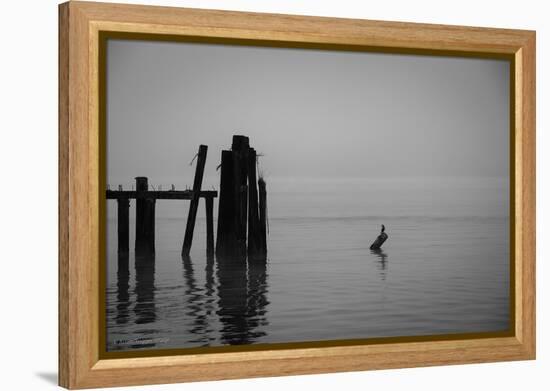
(242, 205)
(145, 211)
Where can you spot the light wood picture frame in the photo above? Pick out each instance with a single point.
(83, 28)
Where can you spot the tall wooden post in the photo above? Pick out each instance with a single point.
(254, 243)
(209, 202)
(150, 228)
(240, 206)
(145, 218)
(226, 236)
(197, 184)
(123, 205)
(240, 148)
(263, 217)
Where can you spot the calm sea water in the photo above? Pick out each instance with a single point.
(444, 268)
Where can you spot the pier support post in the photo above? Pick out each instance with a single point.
(209, 203)
(240, 148)
(263, 218)
(145, 218)
(254, 238)
(226, 236)
(197, 184)
(123, 205)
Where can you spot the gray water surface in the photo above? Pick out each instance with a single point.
(444, 269)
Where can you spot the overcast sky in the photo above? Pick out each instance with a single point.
(311, 113)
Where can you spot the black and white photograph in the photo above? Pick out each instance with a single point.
(270, 195)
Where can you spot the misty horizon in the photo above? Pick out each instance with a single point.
(311, 113)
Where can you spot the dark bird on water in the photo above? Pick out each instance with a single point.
(380, 239)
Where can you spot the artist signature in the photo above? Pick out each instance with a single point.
(140, 341)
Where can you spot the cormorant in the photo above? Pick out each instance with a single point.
(380, 239)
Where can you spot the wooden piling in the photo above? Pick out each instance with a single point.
(145, 219)
(379, 241)
(197, 184)
(226, 236)
(209, 203)
(239, 147)
(123, 205)
(254, 239)
(240, 213)
(263, 218)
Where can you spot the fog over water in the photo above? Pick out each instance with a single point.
(311, 113)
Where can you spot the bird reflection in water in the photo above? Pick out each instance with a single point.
(381, 262)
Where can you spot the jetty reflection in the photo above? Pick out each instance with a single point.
(234, 294)
(123, 286)
(198, 303)
(228, 306)
(242, 300)
(145, 289)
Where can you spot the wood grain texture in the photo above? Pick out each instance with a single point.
(63, 178)
(80, 203)
(528, 189)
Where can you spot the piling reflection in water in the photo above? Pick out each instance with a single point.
(227, 305)
(210, 298)
(145, 288)
(381, 262)
(242, 291)
(257, 299)
(123, 285)
(198, 304)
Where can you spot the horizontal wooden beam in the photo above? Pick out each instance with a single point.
(159, 195)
